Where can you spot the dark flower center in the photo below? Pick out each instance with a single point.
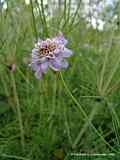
(48, 49)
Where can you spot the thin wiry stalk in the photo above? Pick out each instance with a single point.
(115, 120)
(66, 15)
(73, 19)
(4, 85)
(105, 65)
(41, 100)
(115, 128)
(33, 20)
(85, 126)
(54, 98)
(111, 75)
(40, 15)
(45, 27)
(3, 80)
(113, 88)
(13, 157)
(24, 77)
(64, 19)
(85, 115)
(67, 127)
(69, 10)
(19, 114)
(65, 10)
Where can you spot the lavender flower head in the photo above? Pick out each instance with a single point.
(52, 53)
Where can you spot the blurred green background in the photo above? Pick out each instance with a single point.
(76, 110)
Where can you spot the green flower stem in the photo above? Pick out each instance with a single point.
(67, 126)
(54, 98)
(100, 85)
(44, 19)
(33, 20)
(85, 126)
(19, 114)
(13, 157)
(85, 115)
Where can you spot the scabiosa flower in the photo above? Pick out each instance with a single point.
(52, 53)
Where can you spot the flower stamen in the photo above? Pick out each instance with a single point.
(47, 50)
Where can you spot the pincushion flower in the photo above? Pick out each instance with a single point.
(52, 53)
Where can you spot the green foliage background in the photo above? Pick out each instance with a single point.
(77, 110)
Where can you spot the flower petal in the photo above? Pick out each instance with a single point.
(57, 51)
(37, 59)
(67, 52)
(65, 64)
(34, 51)
(43, 59)
(44, 66)
(38, 74)
(55, 64)
(34, 66)
(60, 38)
